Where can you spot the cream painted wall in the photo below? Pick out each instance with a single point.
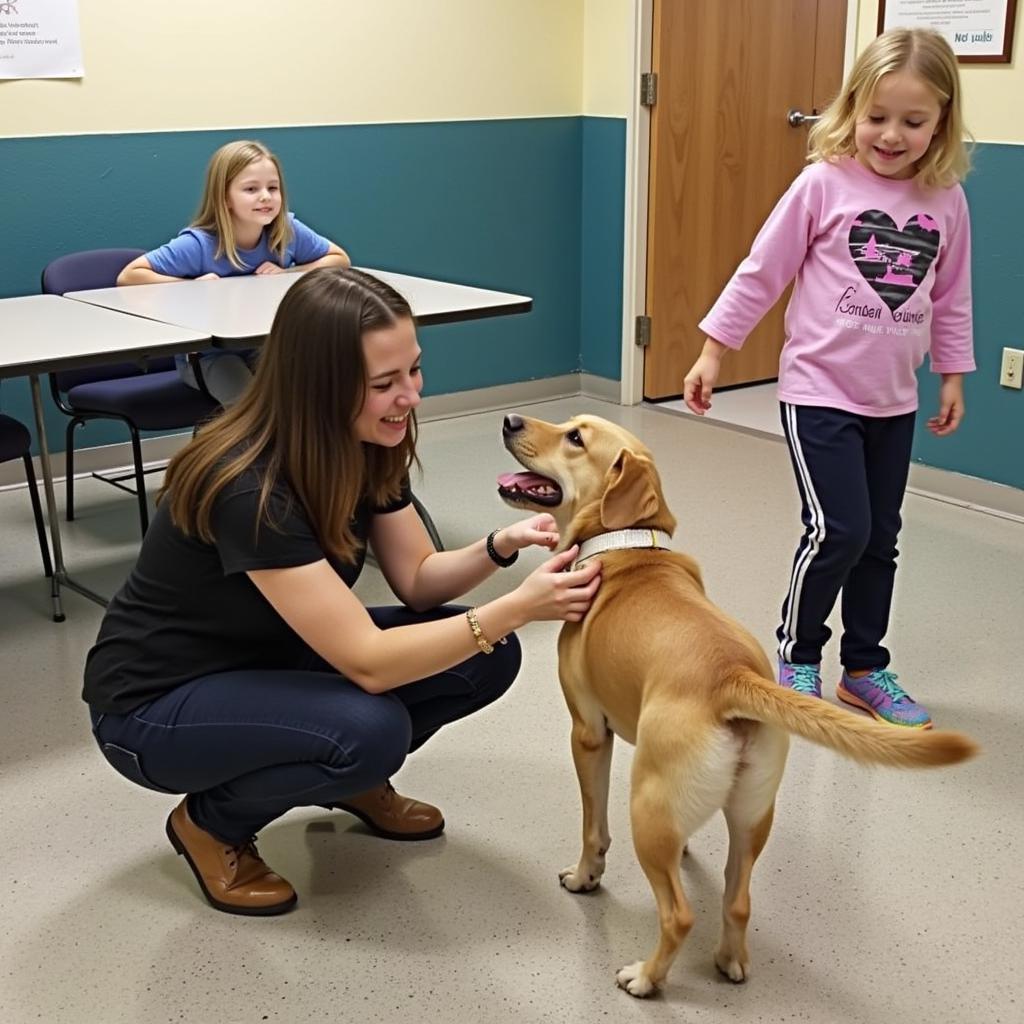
(993, 93)
(221, 63)
(608, 35)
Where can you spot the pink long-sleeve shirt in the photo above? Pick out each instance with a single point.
(883, 276)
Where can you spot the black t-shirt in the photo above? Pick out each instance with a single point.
(188, 609)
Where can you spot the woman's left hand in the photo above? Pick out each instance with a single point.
(540, 531)
(269, 268)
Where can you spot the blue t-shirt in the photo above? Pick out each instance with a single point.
(191, 253)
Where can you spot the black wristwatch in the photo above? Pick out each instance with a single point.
(504, 563)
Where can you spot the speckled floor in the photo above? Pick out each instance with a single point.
(882, 898)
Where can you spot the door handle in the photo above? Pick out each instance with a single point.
(796, 118)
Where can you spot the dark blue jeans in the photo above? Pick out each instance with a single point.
(249, 745)
(852, 473)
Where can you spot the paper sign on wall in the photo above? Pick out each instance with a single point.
(40, 39)
(980, 31)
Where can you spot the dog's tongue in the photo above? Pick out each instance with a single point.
(522, 481)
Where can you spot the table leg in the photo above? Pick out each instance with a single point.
(60, 575)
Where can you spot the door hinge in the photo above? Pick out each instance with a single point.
(648, 89)
(642, 332)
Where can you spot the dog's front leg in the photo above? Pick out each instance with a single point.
(592, 754)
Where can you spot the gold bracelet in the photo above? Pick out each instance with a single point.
(478, 634)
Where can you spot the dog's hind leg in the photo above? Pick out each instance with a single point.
(592, 755)
(748, 814)
(682, 773)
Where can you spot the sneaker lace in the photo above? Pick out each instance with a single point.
(805, 679)
(886, 682)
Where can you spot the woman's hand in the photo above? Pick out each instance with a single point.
(540, 531)
(551, 594)
(700, 381)
(951, 405)
(211, 276)
(268, 267)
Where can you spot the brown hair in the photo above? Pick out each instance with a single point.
(214, 216)
(926, 54)
(296, 416)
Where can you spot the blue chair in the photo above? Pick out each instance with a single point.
(150, 397)
(16, 443)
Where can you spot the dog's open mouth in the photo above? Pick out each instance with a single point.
(532, 487)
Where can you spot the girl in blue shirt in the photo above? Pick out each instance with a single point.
(243, 227)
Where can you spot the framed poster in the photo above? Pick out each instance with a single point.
(980, 31)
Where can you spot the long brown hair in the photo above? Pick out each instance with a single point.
(926, 54)
(214, 216)
(296, 417)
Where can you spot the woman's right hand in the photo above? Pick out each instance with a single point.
(550, 593)
(700, 381)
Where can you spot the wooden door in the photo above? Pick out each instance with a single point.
(722, 153)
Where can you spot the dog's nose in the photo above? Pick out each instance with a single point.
(513, 424)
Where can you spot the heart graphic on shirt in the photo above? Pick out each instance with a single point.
(893, 261)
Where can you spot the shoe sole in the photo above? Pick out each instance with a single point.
(227, 908)
(383, 833)
(854, 701)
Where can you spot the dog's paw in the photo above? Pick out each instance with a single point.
(635, 981)
(576, 880)
(732, 967)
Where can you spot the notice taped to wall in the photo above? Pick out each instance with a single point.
(40, 39)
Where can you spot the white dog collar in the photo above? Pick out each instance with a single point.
(617, 539)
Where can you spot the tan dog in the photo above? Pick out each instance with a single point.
(656, 663)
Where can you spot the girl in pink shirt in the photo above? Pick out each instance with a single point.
(876, 234)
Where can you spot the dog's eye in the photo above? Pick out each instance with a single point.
(574, 438)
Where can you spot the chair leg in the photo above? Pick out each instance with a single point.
(424, 515)
(140, 480)
(37, 512)
(69, 468)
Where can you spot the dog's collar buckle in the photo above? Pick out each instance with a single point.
(620, 539)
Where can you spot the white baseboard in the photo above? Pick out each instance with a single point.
(503, 396)
(96, 460)
(968, 491)
(433, 407)
(605, 389)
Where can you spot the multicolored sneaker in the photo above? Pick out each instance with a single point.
(802, 678)
(879, 695)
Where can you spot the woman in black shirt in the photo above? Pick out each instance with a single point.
(236, 666)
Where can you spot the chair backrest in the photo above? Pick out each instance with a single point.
(78, 271)
(92, 268)
(14, 438)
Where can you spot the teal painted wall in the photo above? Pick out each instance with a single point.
(529, 205)
(988, 443)
(491, 203)
(603, 186)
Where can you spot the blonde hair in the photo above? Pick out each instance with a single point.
(925, 54)
(214, 216)
(295, 421)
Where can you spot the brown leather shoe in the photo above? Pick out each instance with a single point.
(233, 878)
(394, 816)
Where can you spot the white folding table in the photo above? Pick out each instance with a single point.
(239, 311)
(45, 334)
(236, 310)
(48, 333)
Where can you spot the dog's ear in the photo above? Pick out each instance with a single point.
(631, 494)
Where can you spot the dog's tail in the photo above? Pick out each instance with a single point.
(747, 694)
